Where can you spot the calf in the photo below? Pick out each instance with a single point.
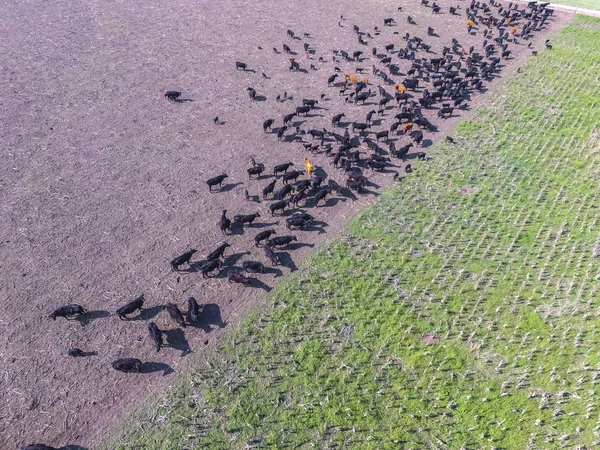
(253, 267)
(218, 253)
(293, 175)
(175, 314)
(67, 311)
(282, 168)
(127, 365)
(172, 95)
(280, 205)
(209, 267)
(130, 308)
(262, 236)
(281, 241)
(185, 258)
(224, 223)
(241, 219)
(155, 335)
(237, 277)
(193, 311)
(240, 65)
(216, 180)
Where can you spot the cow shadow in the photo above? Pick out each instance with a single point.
(229, 187)
(277, 272)
(86, 318)
(210, 315)
(232, 259)
(73, 447)
(317, 226)
(333, 201)
(255, 282)
(286, 260)
(151, 367)
(176, 339)
(264, 224)
(86, 354)
(260, 98)
(149, 313)
(369, 192)
(182, 100)
(297, 245)
(426, 143)
(346, 192)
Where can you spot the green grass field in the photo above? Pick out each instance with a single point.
(588, 4)
(493, 246)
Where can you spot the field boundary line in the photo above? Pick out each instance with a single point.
(570, 9)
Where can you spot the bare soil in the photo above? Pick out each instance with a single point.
(103, 179)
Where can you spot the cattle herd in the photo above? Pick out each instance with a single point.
(412, 81)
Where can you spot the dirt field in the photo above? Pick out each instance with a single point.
(103, 179)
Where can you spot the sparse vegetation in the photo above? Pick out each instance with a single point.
(589, 4)
(491, 247)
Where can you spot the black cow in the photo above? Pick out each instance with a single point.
(280, 205)
(185, 258)
(248, 218)
(172, 95)
(253, 267)
(216, 180)
(218, 252)
(130, 307)
(263, 235)
(67, 311)
(127, 365)
(175, 314)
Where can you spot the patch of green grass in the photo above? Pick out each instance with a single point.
(588, 4)
(490, 247)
